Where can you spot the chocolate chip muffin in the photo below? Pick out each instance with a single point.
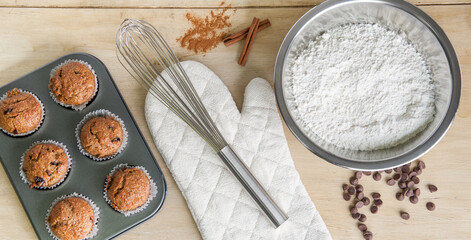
(45, 164)
(101, 136)
(73, 84)
(128, 189)
(71, 219)
(20, 112)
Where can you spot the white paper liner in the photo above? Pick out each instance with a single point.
(152, 194)
(75, 107)
(43, 114)
(66, 151)
(96, 212)
(101, 113)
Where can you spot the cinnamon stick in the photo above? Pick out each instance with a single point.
(249, 41)
(236, 37)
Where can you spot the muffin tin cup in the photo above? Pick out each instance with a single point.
(43, 114)
(74, 107)
(100, 113)
(152, 194)
(96, 213)
(69, 158)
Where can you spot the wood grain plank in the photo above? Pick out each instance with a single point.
(51, 33)
(188, 3)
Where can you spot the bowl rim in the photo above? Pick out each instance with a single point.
(391, 162)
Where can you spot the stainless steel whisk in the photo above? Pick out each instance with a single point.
(145, 54)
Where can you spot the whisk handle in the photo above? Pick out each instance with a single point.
(253, 187)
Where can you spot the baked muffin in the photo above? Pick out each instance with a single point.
(20, 112)
(45, 164)
(71, 218)
(73, 84)
(127, 189)
(101, 136)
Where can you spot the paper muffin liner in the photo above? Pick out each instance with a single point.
(69, 158)
(152, 194)
(74, 107)
(100, 113)
(43, 114)
(96, 212)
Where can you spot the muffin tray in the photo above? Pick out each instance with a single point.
(86, 176)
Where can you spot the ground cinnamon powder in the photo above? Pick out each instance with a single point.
(205, 33)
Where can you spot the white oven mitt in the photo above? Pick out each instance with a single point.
(219, 204)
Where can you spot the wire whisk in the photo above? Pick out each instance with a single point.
(145, 54)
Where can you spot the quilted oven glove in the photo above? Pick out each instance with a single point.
(220, 206)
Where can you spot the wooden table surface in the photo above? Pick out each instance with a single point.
(33, 33)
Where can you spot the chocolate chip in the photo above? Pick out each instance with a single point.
(38, 179)
(351, 190)
(60, 73)
(404, 176)
(377, 176)
(408, 192)
(380, 171)
(399, 196)
(116, 139)
(414, 199)
(398, 169)
(358, 174)
(345, 187)
(366, 201)
(418, 170)
(391, 182)
(376, 195)
(412, 174)
(15, 131)
(360, 195)
(48, 173)
(432, 188)
(430, 206)
(8, 110)
(402, 184)
(410, 184)
(54, 163)
(359, 204)
(362, 218)
(378, 202)
(388, 171)
(406, 169)
(397, 176)
(374, 209)
(368, 235)
(405, 215)
(416, 180)
(367, 173)
(417, 192)
(359, 188)
(353, 210)
(356, 216)
(362, 227)
(421, 164)
(346, 196)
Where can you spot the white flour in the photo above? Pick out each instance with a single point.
(361, 87)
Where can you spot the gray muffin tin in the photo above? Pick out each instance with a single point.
(86, 177)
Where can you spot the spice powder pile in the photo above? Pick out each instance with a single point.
(205, 33)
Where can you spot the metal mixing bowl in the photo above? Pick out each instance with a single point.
(422, 32)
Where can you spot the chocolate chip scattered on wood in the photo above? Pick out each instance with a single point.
(399, 196)
(376, 195)
(360, 195)
(418, 170)
(405, 215)
(374, 209)
(359, 204)
(388, 171)
(362, 218)
(432, 188)
(401, 184)
(391, 182)
(353, 180)
(378, 202)
(397, 169)
(414, 199)
(366, 201)
(345, 187)
(351, 190)
(367, 173)
(416, 180)
(404, 176)
(410, 184)
(397, 176)
(358, 174)
(417, 192)
(347, 197)
(430, 206)
(367, 235)
(405, 169)
(377, 176)
(356, 216)
(408, 192)
(359, 188)
(362, 227)
(421, 164)
(353, 210)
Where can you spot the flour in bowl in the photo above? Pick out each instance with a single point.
(360, 87)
